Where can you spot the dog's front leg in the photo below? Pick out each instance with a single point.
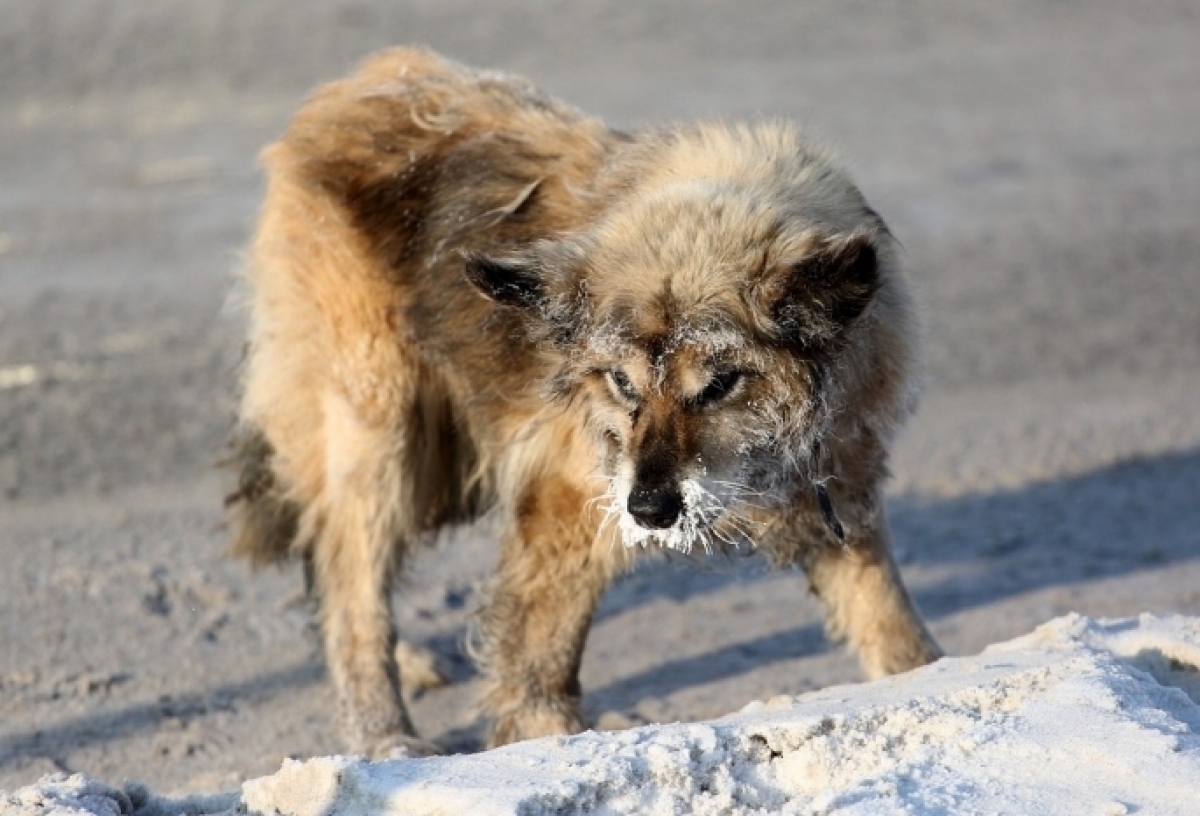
(358, 530)
(865, 601)
(531, 632)
(360, 642)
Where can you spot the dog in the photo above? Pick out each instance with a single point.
(466, 295)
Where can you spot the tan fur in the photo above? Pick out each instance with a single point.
(466, 294)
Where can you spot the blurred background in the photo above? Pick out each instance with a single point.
(1039, 161)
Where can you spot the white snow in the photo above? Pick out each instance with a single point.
(1078, 717)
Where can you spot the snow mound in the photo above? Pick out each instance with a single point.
(1078, 717)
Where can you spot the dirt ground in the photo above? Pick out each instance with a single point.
(1039, 161)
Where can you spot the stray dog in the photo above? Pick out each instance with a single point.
(467, 295)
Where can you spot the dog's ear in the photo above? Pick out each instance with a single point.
(543, 282)
(813, 301)
(509, 281)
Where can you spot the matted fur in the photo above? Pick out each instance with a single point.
(466, 294)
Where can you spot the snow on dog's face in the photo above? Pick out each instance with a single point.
(699, 326)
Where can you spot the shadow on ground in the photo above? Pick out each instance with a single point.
(1133, 515)
(119, 723)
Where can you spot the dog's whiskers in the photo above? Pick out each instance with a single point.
(710, 520)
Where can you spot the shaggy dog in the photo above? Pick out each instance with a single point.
(467, 295)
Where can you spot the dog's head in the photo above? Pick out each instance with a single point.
(701, 324)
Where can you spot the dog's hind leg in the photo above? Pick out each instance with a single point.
(359, 534)
(531, 632)
(865, 602)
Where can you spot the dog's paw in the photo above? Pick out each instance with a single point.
(401, 746)
(546, 719)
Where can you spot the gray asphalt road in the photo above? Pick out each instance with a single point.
(1039, 161)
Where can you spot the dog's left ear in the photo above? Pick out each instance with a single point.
(812, 302)
(510, 281)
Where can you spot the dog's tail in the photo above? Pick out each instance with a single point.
(263, 521)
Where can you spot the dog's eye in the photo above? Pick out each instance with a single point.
(718, 388)
(620, 381)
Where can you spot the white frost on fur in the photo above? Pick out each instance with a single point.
(712, 340)
(701, 510)
(608, 340)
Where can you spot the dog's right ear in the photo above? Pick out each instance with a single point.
(543, 282)
(509, 281)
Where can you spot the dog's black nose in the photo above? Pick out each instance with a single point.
(656, 508)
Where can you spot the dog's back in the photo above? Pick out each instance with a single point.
(379, 187)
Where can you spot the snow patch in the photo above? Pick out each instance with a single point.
(1078, 717)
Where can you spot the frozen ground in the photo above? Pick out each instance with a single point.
(1079, 717)
(1040, 162)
